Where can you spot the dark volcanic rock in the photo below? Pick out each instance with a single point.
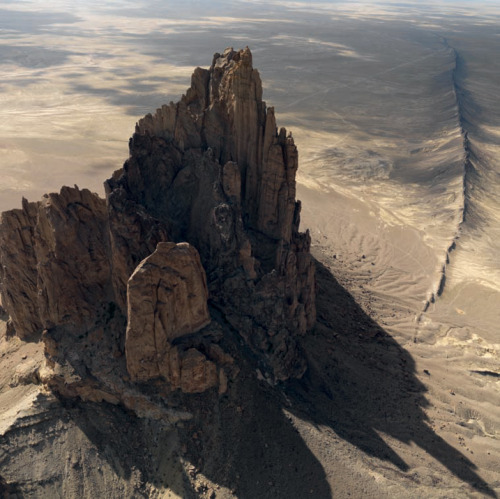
(213, 170)
(204, 208)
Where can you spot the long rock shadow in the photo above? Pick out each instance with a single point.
(96, 448)
(237, 444)
(139, 451)
(243, 441)
(361, 383)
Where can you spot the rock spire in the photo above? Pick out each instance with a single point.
(198, 236)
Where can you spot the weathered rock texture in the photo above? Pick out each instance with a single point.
(18, 269)
(213, 170)
(54, 257)
(204, 208)
(167, 299)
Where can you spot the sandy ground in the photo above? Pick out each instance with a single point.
(403, 395)
(454, 370)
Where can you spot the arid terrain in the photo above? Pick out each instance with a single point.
(395, 110)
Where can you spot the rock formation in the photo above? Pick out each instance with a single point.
(54, 258)
(167, 299)
(214, 171)
(201, 218)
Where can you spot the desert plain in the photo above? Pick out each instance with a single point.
(395, 110)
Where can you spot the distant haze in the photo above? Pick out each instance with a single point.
(76, 77)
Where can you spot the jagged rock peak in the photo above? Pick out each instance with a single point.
(198, 240)
(214, 170)
(223, 112)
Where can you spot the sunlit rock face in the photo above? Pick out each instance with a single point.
(203, 212)
(55, 262)
(167, 299)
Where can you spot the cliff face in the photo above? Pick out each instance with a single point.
(203, 211)
(167, 299)
(55, 262)
(213, 170)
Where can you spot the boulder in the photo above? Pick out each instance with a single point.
(167, 299)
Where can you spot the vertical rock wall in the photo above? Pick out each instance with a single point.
(215, 171)
(54, 258)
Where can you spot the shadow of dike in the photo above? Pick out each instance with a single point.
(361, 383)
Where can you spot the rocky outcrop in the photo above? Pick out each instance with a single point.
(55, 262)
(167, 299)
(19, 269)
(214, 170)
(201, 223)
(223, 110)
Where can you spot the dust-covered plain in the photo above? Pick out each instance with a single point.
(395, 109)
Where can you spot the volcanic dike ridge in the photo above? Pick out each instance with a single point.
(198, 236)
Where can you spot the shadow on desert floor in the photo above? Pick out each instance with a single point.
(362, 383)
